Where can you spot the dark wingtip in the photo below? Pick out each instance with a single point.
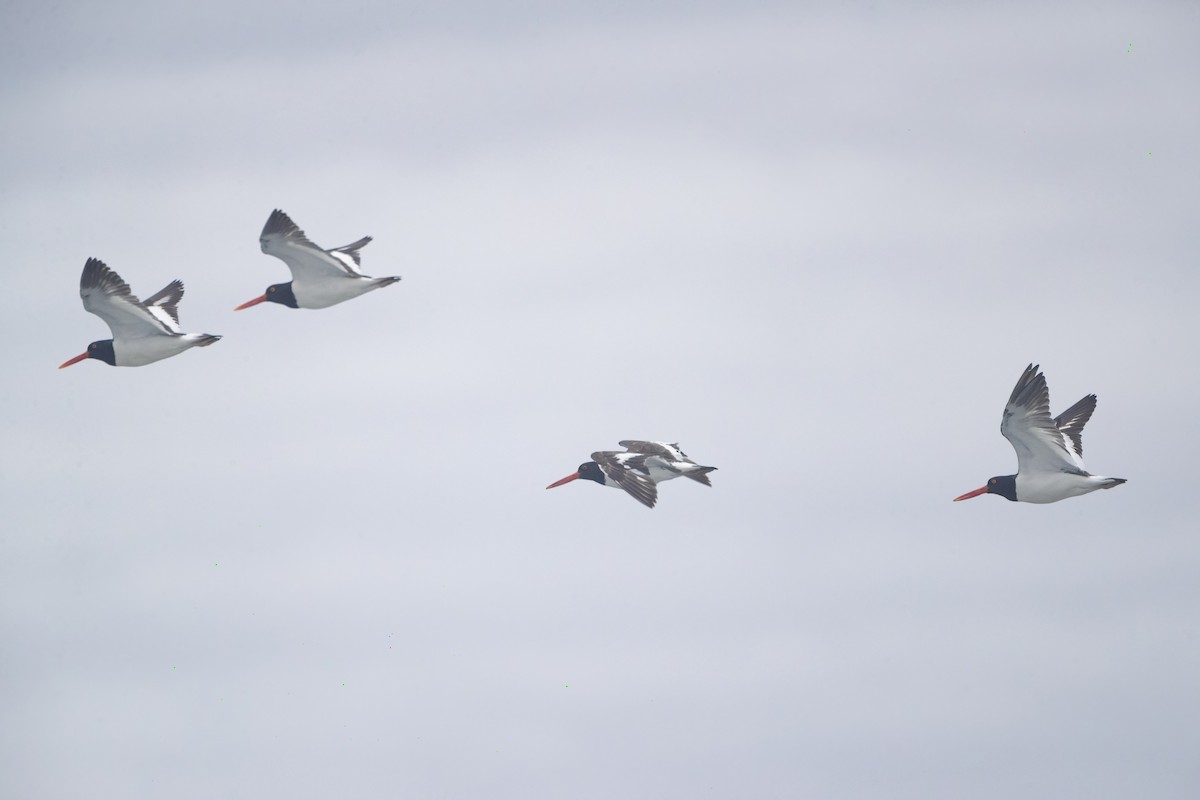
(93, 272)
(98, 275)
(279, 223)
(1030, 386)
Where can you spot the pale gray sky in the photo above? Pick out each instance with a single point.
(815, 245)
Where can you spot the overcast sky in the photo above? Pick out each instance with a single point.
(815, 244)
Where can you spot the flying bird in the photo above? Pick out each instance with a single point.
(143, 332)
(639, 469)
(320, 278)
(1049, 451)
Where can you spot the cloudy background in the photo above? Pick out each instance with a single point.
(816, 245)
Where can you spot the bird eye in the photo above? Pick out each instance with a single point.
(992, 481)
(271, 289)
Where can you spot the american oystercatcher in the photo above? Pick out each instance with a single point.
(320, 278)
(639, 469)
(1049, 451)
(143, 332)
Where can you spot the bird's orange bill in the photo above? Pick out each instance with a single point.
(969, 495)
(567, 479)
(74, 360)
(253, 302)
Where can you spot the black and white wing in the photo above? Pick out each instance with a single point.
(1071, 423)
(283, 239)
(109, 298)
(1041, 445)
(350, 251)
(668, 458)
(164, 305)
(627, 471)
(668, 452)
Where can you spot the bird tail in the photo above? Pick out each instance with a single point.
(205, 339)
(700, 475)
(1111, 482)
(382, 282)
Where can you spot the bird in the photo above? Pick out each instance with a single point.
(1049, 450)
(143, 332)
(320, 278)
(639, 469)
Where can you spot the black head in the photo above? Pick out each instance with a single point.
(281, 293)
(1003, 485)
(591, 471)
(278, 293)
(101, 351)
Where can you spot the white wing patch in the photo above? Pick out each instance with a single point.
(108, 297)
(668, 451)
(308, 263)
(348, 262)
(1039, 443)
(164, 318)
(620, 469)
(352, 250)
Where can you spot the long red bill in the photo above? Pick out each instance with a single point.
(969, 495)
(567, 479)
(253, 302)
(74, 360)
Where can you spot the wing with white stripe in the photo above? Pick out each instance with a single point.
(670, 452)
(617, 467)
(283, 239)
(109, 298)
(1040, 445)
(164, 305)
(1071, 423)
(351, 251)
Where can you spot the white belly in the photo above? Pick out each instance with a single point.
(659, 474)
(1050, 487)
(148, 349)
(330, 292)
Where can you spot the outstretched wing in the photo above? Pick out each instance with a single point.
(625, 470)
(283, 239)
(164, 305)
(1071, 423)
(351, 251)
(670, 452)
(1040, 445)
(109, 298)
(668, 458)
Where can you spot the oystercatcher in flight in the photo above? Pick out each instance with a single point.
(639, 469)
(320, 278)
(1049, 450)
(143, 332)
